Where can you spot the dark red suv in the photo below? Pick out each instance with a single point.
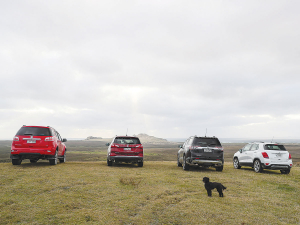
(125, 149)
(38, 142)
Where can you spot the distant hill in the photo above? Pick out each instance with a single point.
(147, 139)
(92, 138)
(144, 138)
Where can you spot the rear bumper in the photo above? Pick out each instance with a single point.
(203, 162)
(125, 158)
(277, 167)
(31, 156)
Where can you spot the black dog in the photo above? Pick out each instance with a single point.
(212, 185)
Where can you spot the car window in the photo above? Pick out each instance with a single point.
(126, 140)
(247, 147)
(274, 147)
(58, 135)
(190, 141)
(254, 147)
(34, 131)
(204, 142)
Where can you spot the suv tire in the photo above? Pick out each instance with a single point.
(178, 163)
(53, 161)
(109, 162)
(185, 166)
(257, 166)
(140, 164)
(236, 164)
(287, 171)
(63, 160)
(219, 168)
(16, 161)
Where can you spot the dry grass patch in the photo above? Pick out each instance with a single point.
(158, 193)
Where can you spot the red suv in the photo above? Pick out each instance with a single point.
(38, 142)
(125, 149)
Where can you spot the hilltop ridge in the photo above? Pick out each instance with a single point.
(147, 139)
(144, 138)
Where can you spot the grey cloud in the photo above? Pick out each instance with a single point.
(170, 69)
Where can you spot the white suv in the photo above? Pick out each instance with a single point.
(260, 155)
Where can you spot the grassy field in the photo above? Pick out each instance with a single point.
(158, 193)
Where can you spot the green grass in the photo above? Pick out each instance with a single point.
(158, 193)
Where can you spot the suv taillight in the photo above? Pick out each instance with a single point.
(265, 155)
(49, 139)
(16, 138)
(220, 148)
(290, 157)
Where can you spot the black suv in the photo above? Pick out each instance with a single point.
(201, 151)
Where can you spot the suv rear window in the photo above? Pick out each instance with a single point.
(34, 131)
(205, 142)
(126, 140)
(274, 147)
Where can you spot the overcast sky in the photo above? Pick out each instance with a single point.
(165, 68)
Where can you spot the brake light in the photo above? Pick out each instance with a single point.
(290, 157)
(16, 138)
(49, 139)
(220, 148)
(114, 146)
(265, 155)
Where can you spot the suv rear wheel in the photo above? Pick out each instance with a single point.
(257, 166)
(53, 161)
(185, 166)
(140, 164)
(178, 163)
(109, 162)
(219, 168)
(16, 161)
(287, 171)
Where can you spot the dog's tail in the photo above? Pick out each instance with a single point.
(223, 187)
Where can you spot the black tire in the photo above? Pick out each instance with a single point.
(53, 161)
(179, 164)
(33, 160)
(63, 160)
(236, 163)
(16, 161)
(287, 171)
(185, 166)
(140, 164)
(257, 166)
(109, 162)
(219, 168)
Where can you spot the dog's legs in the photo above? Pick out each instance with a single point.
(220, 192)
(209, 193)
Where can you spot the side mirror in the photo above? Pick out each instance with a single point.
(240, 150)
(179, 146)
(64, 140)
(107, 144)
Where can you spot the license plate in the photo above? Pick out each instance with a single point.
(127, 148)
(207, 150)
(31, 141)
